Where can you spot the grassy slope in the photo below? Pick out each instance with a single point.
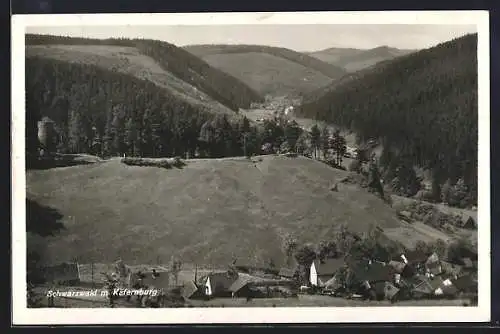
(269, 70)
(128, 60)
(355, 59)
(269, 74)
(205, 213)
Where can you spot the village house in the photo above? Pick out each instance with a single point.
(401, 270)
(467, 222)
(322, 271)
(415, 259)
(287, 273)
(365, 274)
(433, 265)
(191, 290)
(218, 284)
(241, 287)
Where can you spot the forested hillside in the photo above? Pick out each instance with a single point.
(424, 108)
(269, 70)
(101, 112)
(353, 60)
(217, 84)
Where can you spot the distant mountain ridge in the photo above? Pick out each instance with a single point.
(352, 59)
(269, 70)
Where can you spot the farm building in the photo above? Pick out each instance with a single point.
(218, 284)
(367, 274)
(322, 271)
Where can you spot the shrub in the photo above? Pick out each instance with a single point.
(459, 249)
(161, 163)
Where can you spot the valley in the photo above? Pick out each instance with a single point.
(216, 155)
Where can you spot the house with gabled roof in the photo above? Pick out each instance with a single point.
(323, 270)
(414, 258)
(467, 222)
(364, 275)
(190, 290)
(241, 287)
(287, 273)
(218, 284)
(401, 268)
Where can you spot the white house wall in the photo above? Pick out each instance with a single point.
(208, 287)
(313, 275)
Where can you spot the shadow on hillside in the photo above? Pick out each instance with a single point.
(42, 220)
(66, 160)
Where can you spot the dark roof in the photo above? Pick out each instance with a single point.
(240, 283)
(434, 268)
(436, 283)
(467, 221)
(416, 257)
(162, 280)
(464, 282)
(451, 268)
(328, 266)
(449, 290)
(397, 266)
(373, 272)
(286, 272)
(221, 281)
(467, 262)
(422, 284)
(189, 290)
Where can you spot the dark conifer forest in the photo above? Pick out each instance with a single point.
(422, 106)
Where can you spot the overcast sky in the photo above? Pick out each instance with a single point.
(296, 37)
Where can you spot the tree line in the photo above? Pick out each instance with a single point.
(422, 106)
(187, 67)
(105, 113)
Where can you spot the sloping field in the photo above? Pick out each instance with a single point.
(205, 213)
(127, 60)
(269, 74)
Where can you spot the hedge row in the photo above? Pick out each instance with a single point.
(161, 163)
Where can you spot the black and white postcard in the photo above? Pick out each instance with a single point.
(251, 167)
